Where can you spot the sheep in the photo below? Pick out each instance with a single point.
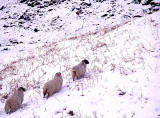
(53, 86)
(14, 101)
(79, 70)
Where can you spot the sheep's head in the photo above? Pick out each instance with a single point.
(85, 61)
(58, 74)
(21, 89)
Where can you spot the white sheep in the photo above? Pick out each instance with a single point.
(53, 86)
(79, 70)
(14, 101)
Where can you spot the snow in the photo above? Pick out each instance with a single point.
(122, 79)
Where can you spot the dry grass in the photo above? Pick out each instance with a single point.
(104, 53)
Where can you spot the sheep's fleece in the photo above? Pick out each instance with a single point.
(15, 100)
(53, 86)
(79, 70)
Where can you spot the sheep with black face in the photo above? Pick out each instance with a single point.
(14, 101)
(53, 86)
(79, 70)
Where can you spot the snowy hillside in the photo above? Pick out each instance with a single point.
(36, 23)
(122, 79)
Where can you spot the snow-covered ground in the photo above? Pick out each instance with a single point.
(122, 79)
(24, 27)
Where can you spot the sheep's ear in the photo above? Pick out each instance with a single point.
(21, 88)
(86, 61)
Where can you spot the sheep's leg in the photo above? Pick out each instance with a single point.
(73, 75)
(47, 96)
(44, 93)
(8, 109)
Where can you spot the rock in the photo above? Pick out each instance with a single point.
(13, 41)
(137, 16)
(50, 9)
(99, 0)
(24, 17)
(40, 3)
(153, 4)
(36, 30)
(5, 49)
(31, 5)
(147, 2)
(22, 1)
(85, 4)
(111, 14)
(137, 1)
(2, 8)
(79, 12)
(71, 113)
(104, 15)
(5, 26)
(35, 3)
(122, 93)
(155, 9)
(126, 16)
